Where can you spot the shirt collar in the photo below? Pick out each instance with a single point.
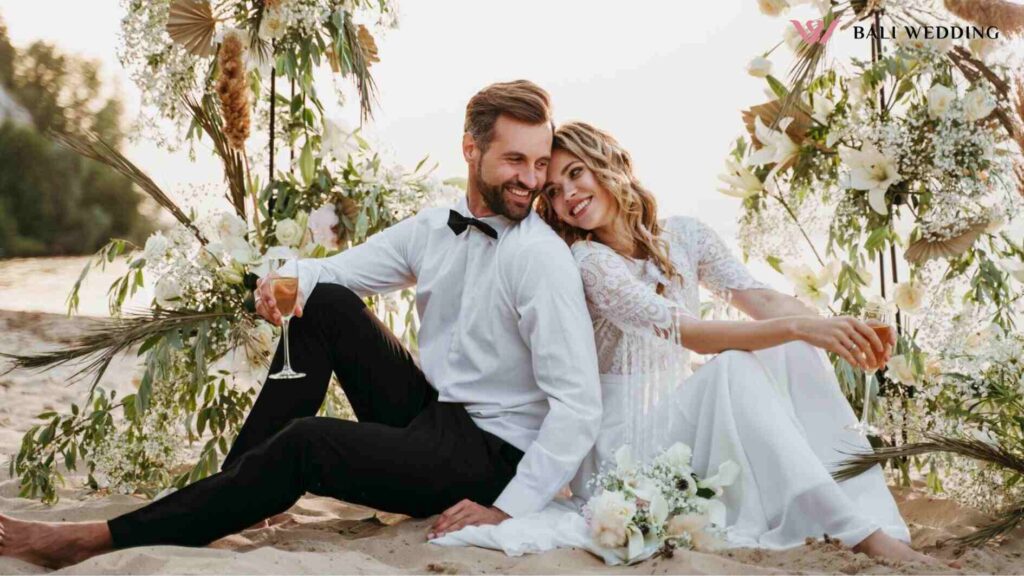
(500, 223)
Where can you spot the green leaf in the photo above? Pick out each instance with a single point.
(777, 87)
(306, 164)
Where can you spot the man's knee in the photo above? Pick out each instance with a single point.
(328, 298)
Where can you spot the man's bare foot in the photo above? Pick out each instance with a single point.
(52, 544)
(881, 545)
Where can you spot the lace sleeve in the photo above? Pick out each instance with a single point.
(615, 293)
(717, 268)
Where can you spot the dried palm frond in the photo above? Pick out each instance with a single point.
(1018, 110)
(923, 250)
(192, 24)
(104, 339)
(368, 45)
(809, 58)
(1006, 16)
(207, 117)
(1005, 520)
(771, 113)
(90, 145)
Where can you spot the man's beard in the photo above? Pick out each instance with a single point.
(494, 196)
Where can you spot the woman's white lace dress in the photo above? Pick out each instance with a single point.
(779, 412)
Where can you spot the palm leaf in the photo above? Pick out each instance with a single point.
(90, 145)
(207, 116)
(923, 249)
(1004, 521)
(104, 339)
(354, 58)
(192, 24)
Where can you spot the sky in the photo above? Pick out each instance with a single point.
(666, 77)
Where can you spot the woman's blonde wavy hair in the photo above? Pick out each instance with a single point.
(613, 167)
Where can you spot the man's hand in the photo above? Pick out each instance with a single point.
(465, 513)
(266, 306)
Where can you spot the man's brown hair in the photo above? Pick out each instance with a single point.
(519, 99)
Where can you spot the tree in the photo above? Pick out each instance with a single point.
(51, 200)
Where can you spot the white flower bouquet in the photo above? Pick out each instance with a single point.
(640, 511)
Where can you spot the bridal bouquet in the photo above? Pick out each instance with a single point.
(642, 510)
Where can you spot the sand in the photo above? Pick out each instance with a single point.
(322, 535)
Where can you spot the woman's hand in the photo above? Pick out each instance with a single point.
(849, 338)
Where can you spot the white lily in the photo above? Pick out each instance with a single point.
(1014, 268)
(728, 472)
(776, 146)
(871, 171)
(742, 183)
(810, 285)
(823, 108)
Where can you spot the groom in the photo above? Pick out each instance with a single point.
(492, 423)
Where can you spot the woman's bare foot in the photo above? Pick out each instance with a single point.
(53, 544)
(881, 545)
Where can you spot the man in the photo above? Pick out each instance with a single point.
(494, 423)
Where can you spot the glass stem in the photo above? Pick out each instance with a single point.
(867, 394)
(287, 355)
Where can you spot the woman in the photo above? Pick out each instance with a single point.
(769, 400)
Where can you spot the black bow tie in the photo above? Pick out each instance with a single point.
(458, 223)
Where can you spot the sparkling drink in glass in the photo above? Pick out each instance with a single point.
(284, 281)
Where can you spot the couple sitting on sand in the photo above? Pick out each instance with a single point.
(528, 290)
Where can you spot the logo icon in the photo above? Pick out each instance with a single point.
(815, 31)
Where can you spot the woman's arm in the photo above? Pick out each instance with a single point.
(765, 304)
(848, 337)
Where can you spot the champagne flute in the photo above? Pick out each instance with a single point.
(877, 316)
(284, 280)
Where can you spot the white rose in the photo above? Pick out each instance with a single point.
(759, 67)
(610, 515)
(772, 8)
(978, 104)
(940, 98)
(901, 370)
(289, 232)
(167, 293)
(156, 247)
(908, 296)
(230, 225)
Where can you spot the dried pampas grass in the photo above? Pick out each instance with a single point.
(1006, 16)
(233, 89)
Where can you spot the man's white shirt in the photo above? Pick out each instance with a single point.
(504, 331)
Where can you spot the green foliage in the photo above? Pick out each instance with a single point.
(51, 201)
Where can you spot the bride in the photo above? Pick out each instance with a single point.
(768, 400)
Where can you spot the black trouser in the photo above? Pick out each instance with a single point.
(408, 453)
